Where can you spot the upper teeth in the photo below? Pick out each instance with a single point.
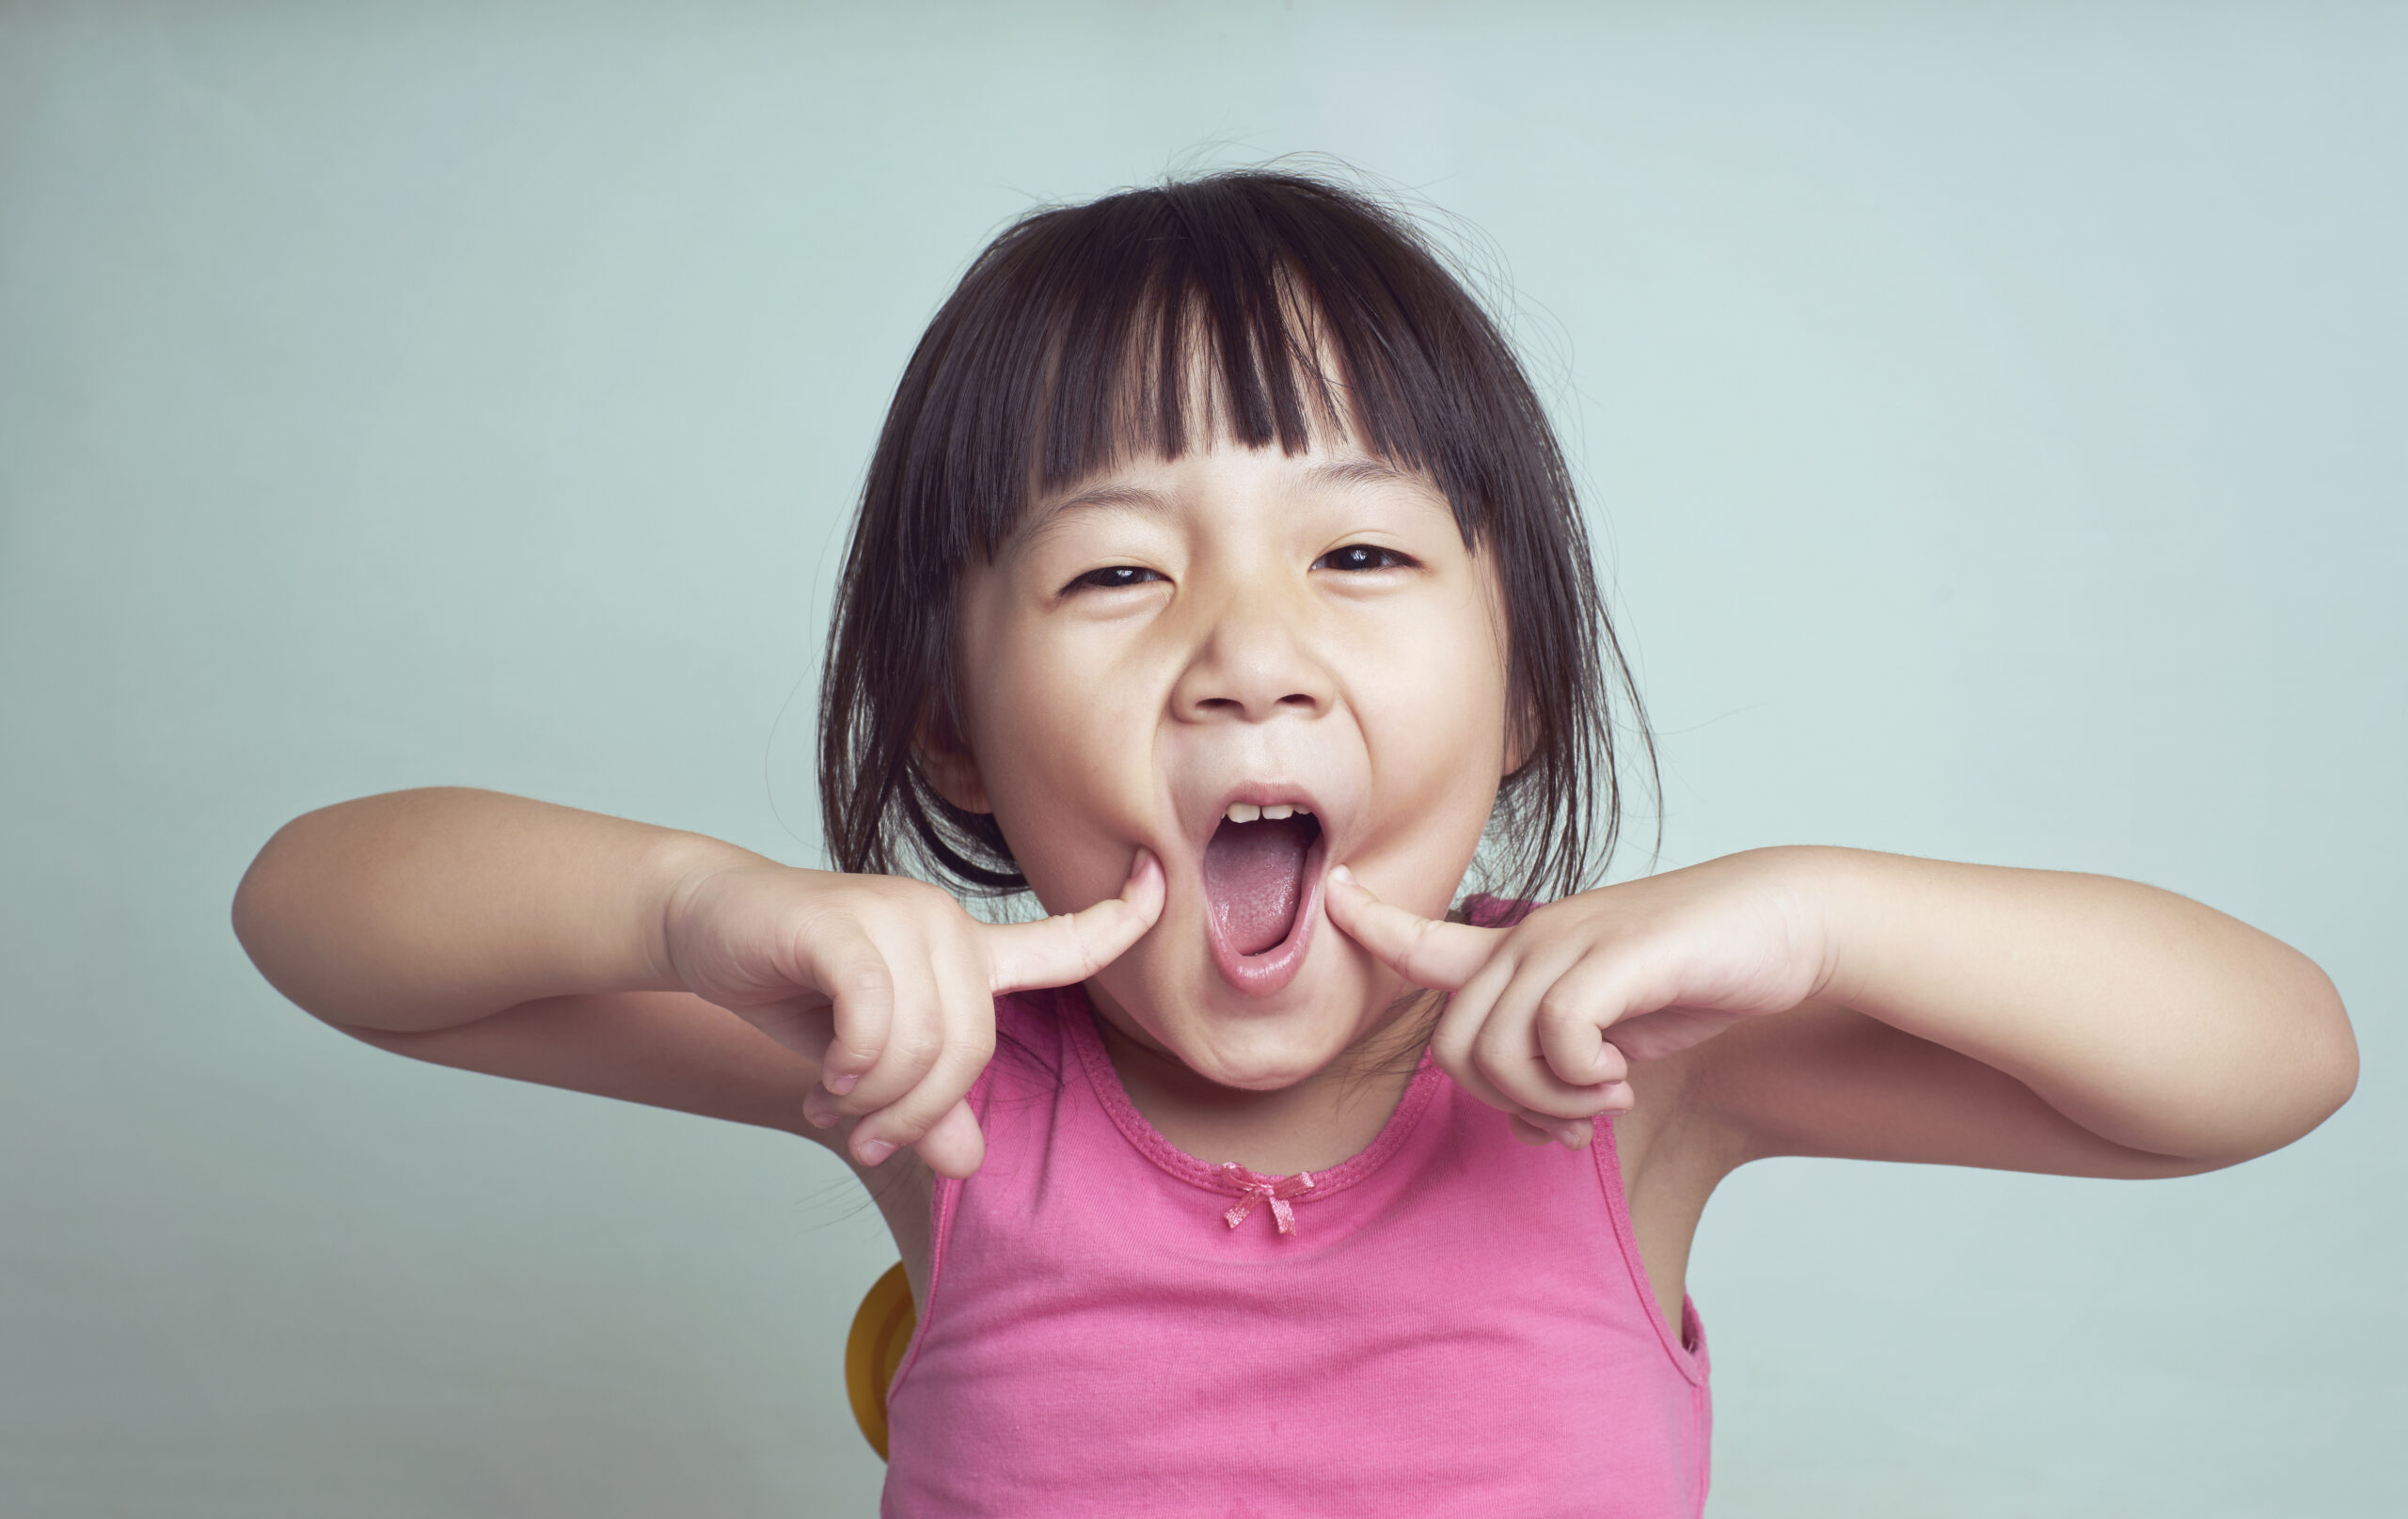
(1243, 812)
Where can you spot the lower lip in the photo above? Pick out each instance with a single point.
(1259, 975)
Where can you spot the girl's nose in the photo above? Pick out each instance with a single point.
(1251, 666)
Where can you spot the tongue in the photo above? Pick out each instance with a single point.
(1254, 876)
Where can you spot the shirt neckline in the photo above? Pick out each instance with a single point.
(1148, 1141)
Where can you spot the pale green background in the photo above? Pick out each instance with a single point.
(1999, 418)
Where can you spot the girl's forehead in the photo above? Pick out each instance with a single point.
(1168, 389)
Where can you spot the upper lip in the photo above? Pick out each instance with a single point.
(1264, 793)
(1333, 796)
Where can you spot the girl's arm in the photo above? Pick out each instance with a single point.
(497, 934)
(1893, 1008)
(421, 911)
(2151, 1021)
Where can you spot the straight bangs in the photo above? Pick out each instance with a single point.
(1250, 308)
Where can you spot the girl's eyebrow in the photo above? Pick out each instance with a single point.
(1106, 497)
(1117, 497)
(1113, 497)
(1367, 470)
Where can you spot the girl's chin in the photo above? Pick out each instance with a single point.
(1235, 1038)
(1259, 1054)
(1257, 1075)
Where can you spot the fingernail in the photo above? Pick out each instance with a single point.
(1342, 875)
(1566, 1132)
(840, 1084)
(875, 1151)
(815, 1107)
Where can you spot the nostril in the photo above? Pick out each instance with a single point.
(1248, 708)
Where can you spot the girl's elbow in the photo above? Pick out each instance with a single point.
(2320, 1074)
(2328, 1047)
(2335, 1075)
(253, 912)
(270, 907)
(2261, 1090)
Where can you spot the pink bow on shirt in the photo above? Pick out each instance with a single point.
(1252, 1187)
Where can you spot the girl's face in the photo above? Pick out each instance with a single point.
(1168, 646)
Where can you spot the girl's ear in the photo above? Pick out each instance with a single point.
(948, 763)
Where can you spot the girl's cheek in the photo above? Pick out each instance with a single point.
(1437, 759)
(1072, 788)
(1436, 736)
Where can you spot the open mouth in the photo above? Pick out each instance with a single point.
(1261, 871)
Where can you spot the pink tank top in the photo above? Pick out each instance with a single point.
(1450, 1323)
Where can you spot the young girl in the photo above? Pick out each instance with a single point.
(1219, 584)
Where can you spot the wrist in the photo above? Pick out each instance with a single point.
(677, 869)
(1818, 887)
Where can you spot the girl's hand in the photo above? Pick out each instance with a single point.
(887, 983)
(1547, 1016)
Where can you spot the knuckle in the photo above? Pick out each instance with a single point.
(916, 1046)
(1497, 1068)
(1561, 1009)
(1450, 1044)
(1507, 1032)
(865, 976)
(1084, 956)
(920, 1111)
(1566, 1004)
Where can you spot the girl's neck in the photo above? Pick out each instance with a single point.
(1328, 1117)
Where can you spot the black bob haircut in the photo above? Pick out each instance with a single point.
(1071, 344)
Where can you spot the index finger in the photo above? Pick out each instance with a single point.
(1022, 956)
(1424, 951)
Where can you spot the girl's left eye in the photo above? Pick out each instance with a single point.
(1112, 577)
(1363, 557)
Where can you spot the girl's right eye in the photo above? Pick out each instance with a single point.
(1112, 577)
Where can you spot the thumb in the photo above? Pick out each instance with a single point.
(1058, 950)
(1428, 953)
